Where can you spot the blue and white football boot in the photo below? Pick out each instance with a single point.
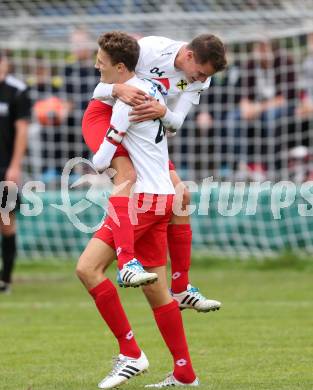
(133, 275)
(193, 299)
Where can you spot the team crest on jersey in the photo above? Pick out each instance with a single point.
(182, 85)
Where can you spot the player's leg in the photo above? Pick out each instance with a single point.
(179, 236)
(132, 273)
(8, 252)
(96, 121)
(8, 245)
(152, 246)
(121, 206)
(91, 266)
(169, 321)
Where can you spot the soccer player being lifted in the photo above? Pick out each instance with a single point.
(154, 192)
(184, 69)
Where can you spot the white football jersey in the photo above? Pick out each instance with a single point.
(156, 60)
(146, 144)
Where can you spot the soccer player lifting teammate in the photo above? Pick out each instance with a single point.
(184, 69)
(154, 192)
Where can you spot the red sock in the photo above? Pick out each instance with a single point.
(179, 238)
(124, 233)
(169, 321)
(111, 310)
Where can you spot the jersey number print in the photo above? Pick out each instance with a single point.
(161, 132)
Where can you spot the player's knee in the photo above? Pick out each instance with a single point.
(8, 230)
(156, 295)
(82, 272)
(151, 291)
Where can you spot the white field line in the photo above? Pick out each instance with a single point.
(51, 305)
(54, 304)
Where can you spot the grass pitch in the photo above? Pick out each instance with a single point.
(51, 336)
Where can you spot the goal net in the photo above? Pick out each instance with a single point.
(253, 125)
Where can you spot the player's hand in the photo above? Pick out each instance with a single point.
(100, 163)
(129, 94)
(149, 110)
(13, 173)
(250, 110)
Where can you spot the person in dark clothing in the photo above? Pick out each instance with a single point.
(15, 111)
(80, 77)
(221, 98)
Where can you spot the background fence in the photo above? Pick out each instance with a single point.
(52, 44)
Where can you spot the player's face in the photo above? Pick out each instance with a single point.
(109, 73)
(195, 71)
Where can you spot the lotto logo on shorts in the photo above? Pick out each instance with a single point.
(118, 251)
(130, 335)
(176, 275)
(181, 362)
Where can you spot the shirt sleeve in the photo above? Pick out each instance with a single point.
(103, 91)
(194, 95)
(22, 106)
(120, 116)
(173, 120)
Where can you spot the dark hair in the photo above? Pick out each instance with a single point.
(120, 47)
(209, 48)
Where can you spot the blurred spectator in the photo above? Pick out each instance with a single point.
(80, 79)
(15, 110)
(268, 94)
(221, 98)
(60, 98)
(50, 113)
(305, 109)
(300, 164)
(299, 128)
(255, 172)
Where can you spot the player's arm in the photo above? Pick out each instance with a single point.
(172, 120)
(127, 93)
(114, 136)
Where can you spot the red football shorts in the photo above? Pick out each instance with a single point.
(122, 152)
(153, 213)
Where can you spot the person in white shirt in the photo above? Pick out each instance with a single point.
(184, 69)
(154, 192)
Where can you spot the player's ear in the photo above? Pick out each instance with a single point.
(121, 67)
(189, 55)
